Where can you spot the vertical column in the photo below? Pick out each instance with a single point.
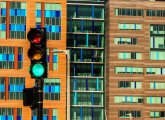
(98, 40)
(86, 83)
(6, 88)
(81, 113)
(15, 113)
(50, 59)
(15, 57)
(92, 69)
(87, 40)
(93, 12)
(93, 26)
(42, 14)
(81, 54)
(75, 84)
(82, 26)
(75, 98)
(50, 114)
(97, 84)
(76, 11)
(7, 19)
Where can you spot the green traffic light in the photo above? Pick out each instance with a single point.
(38, 70)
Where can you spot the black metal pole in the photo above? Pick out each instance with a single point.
(40, 98)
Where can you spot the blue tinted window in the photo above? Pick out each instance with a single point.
(2, 88)
(12, 12)
(23, 12)
(19, 57)
(3, 12)
(57, 89)
(18, 12)
(48, 28)
(58, 14)
(46, 88)
(11, 57)
(23, 27)
(3, 27)
(38, 13)
(12, 27)
(54, 118)
(55, 58)
(4, 57)
(53, 13)
(47, 13)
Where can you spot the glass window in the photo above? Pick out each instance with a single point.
(16, 86)
(17, 20)
(52, 89)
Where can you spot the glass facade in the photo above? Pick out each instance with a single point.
(85, 39)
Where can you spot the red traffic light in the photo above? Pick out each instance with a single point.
(35, 36)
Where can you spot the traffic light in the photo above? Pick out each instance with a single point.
(37, 52)
(30, 97)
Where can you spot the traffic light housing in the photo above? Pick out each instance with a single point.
(30, 97)
(37, 52)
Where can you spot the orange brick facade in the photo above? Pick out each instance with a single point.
(60, 105)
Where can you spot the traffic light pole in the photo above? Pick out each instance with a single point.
(39, 83)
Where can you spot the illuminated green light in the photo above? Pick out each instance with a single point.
(38, 70)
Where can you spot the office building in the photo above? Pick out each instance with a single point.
(135, 42)
(85, 40)
(16, 19)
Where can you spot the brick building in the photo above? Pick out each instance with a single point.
(135, 49)
(16, 19)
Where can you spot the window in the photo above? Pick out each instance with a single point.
(128, 26)
(16, 86)
(2, 87)
(157, 85)
(86, 113)
(156, 71)
(54, 59)
(88, 84)
(86, 98)
(128, 70)
(155, 13)
(17, 20)
(3, 20)
(155, 100)
(129, 41)
(157, 42)
(157, 114)
(157, 29)
(131, 55)
(7, 57)
(8, 113)
(157, 55)
(52, 89)
(46, 115)
(52, 14)
(130, 84)
(128, 12)
(128, 99)
(124, 114)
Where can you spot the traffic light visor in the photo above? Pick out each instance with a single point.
(37, 70)
(36, 53)
(35, 36)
